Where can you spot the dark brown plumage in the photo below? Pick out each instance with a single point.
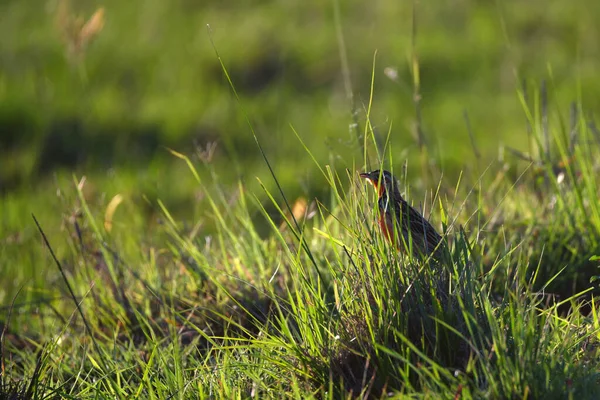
(426, 241)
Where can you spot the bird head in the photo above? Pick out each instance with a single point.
(383, 181)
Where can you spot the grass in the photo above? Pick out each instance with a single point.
(318, 305)
(150, 79)
(250, 289)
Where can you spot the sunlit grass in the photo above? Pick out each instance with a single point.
(180, 281)
(319, 304)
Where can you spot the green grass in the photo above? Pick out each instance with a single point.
(200, 282)
(319, 305)
(150, 78)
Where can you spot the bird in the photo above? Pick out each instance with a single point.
(397, 217)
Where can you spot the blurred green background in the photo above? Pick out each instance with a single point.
(105, 96)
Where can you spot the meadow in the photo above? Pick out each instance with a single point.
(182, 215)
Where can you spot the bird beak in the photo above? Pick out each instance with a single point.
(367, 176)
(373, 180)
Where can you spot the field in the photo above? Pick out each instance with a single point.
(182, 215)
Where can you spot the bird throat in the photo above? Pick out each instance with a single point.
(384, 201)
